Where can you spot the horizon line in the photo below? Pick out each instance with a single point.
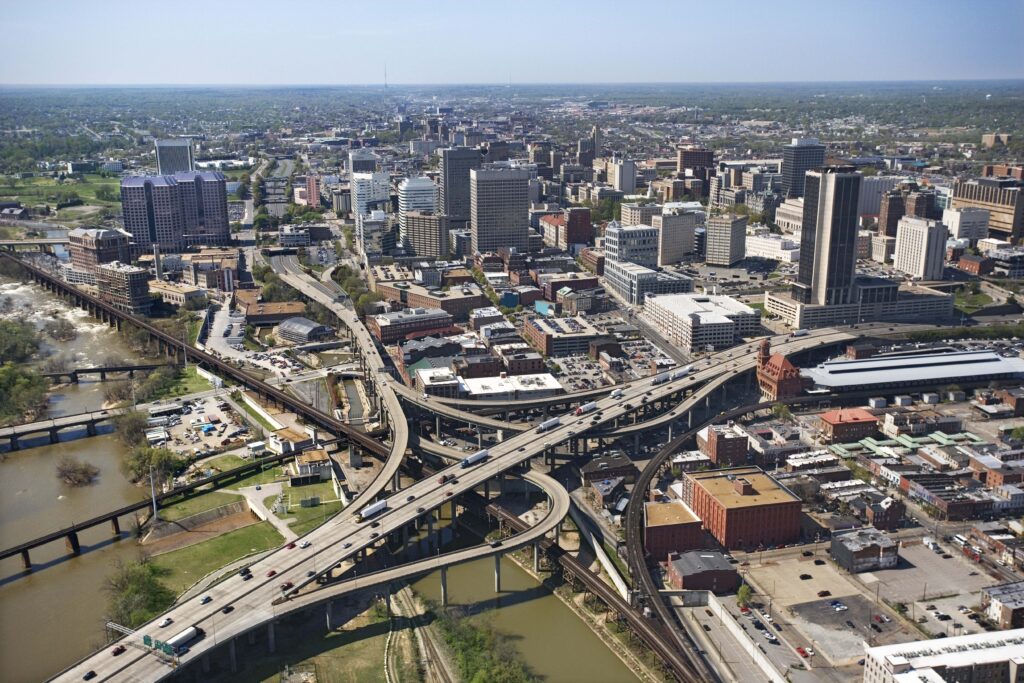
(507, 84)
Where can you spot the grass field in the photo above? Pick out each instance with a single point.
(188, 565)
(307, 519)
(262, 421)
(226, 462)
(42, 190)
(189, 382)
(272, 473)
(197, 504)
(969, 303)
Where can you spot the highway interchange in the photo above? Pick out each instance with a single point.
(255, 601)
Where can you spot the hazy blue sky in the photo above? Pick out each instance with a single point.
(529, 41)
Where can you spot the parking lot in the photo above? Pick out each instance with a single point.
(203, 426)
(579, 373)
(928, 582)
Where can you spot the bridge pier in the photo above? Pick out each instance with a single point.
(26, 561)
(15, 445)
(115, 526)
(54, 438)
(271, 641)
(497, 573)
(636, 442)
(252, 637)
(205, 663)
(444, 586)
(396, 482)
(232, 657)
(487, 489)
(72, 543)
(90, 429)
(437, 425)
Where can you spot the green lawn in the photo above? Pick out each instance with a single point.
(757, 306)
(197, 504)
(188, 565)
(969, 303)
(40, 190)
(251, 412)
(307, 519)
(271, 474)
(225, 462)
(188, 382)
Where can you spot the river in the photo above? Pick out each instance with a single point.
(53, 616)
(554, 643)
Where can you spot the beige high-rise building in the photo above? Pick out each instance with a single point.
(499, 209)
(920, 247)
(676, 235)
(726, 238)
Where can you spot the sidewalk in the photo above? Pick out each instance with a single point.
(256, 498)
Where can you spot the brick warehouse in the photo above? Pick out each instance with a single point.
(743, 507)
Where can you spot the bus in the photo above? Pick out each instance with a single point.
(959, 541)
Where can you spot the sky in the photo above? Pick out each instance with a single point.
(271, 42)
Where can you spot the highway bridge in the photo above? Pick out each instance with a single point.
(346, 538)
(54, 425)
(74, 374)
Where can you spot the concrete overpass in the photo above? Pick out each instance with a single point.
(346, 538)
(53, 426)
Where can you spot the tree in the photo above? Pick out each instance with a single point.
(1017, 434)
(74, 472)
(743, 595)
(782, 412)
(22, 392)
(162, 462)
(18, 341)
(135, 594)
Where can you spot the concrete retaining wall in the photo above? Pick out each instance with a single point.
(749, 647)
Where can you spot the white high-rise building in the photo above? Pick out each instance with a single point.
(369, 191)
(967, 223)
(414, 194)
(622, 175)
(869, 203)
(920, 247)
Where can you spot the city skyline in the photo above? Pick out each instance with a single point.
(835, 44)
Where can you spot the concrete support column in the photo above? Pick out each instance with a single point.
(444, 586)
(53, 436)
(636, 442)
(115, 526)
(487, 490)
(497, 573)
(480, 438)
(90, 429)
(501, 433)
(387, 600)
(26, 561)
(689, 419)
(252, 637)
(405, 535)
(670, 431)
(396, 483)
(536, 558)
(271, 640)
(430, 532)
(232, 656)
(437, 425)
(72, 544)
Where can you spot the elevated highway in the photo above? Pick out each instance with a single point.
(346, 538)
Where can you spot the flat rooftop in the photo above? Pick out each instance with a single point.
(958, 651)
(668, 514)
(721, 484)
(937, 367)
(709, 308)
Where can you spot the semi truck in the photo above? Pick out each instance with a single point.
(679, 374)
(548, 425)
(179, 642)
(617, 393)
(475, 458)
(586, 408)
(372, 509)
(661, 379)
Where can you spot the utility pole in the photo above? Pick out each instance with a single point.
(152, 493)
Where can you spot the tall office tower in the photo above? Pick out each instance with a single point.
(969, 223)
(414, 194)
(891, 209)
(362, 160)
(173, 156)
(872, 189)
(694, 156)
(540, 152)
(204, 207)
(803, 155)
(499, 209)
(313, 191)
(622, 175)
(369, 191)
(920, 247)
(921, 204)
(579, 229)
(426, 234)
(589, 148)
(726, 239)
(555, 161)
(456, 164)
(828, 239)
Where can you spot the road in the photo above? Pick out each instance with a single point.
(344, 537)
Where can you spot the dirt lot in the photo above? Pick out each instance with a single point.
(199, 534)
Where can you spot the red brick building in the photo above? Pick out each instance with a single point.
(724, 444)
(593, 260)
(670, 528)
(743, 507)
(776, 376)
(975, 265)
(844, 425)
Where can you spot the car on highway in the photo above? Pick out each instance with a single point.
(346, 544)
(287, 585)
(206, 600)
(119, 650)
(310, 574)
(227, 609)
(290, 545)
(89, 675)
(410, 498)
(802, 652)
(374, 535)
(165, 622)
(272, 572)
(305, 544)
